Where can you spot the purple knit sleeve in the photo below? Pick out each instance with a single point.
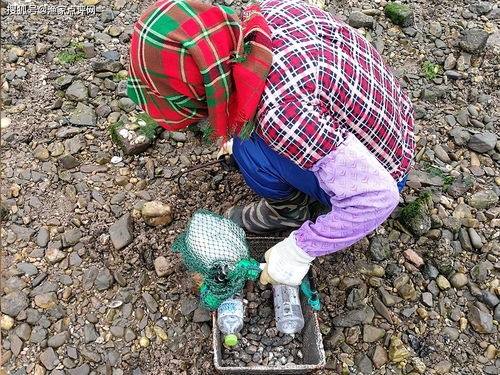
(363, 194)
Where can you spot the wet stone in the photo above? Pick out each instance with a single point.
(483, 199)
(49, 359)
(359, 19)
(379, 248)
(77, 91)
(482, 142)
(481, 321)
(354, 317)
(474, 40)
(150, 302)
(13, 303)
(58, 340)
(42, 237)
(83, 115)
(27, 268)
(201, 315)
(80, 370)
(104, 280)
(121, 232)
(459, 280)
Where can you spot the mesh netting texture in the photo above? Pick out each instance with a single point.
(216, 247)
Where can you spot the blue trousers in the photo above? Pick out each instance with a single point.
(272, 175)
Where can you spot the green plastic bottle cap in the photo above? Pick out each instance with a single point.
(231, 340)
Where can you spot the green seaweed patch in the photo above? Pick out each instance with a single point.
(414, 210)
(74, 53)
(430, 70)
(149, 130)
(113, 132)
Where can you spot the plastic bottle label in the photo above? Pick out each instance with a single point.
(231, 307)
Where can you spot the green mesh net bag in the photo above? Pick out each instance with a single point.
(216, 247)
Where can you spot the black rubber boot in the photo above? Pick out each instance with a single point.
(269, 215)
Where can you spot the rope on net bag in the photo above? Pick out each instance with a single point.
(216, 247)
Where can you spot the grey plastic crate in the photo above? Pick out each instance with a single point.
(312, 342)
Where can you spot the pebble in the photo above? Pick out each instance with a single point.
(163, 267)
(481, 321)
(442, 282)
(121, 232)
(459, 280)
(156, 213)
(13, 303)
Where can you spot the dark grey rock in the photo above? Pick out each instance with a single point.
(90, 333)
(359, 19)
(460, 135)
(71, 237)
(127, 104)
(62, 82)
(38, 334)
(23, 331)
(80, 370)
(483, 199)
(42, 237)
(58, 340)
(354, 317)
(77, 91)
(83, 115)
(481, 7)
(379, 248)
(429, 271)
(482, 142)
(201, 315)
(363, 363)
(474, 40)
(121, 232)
(69, 162)
(27, 268)
(107, 66)
(13, 283)
(23, 233)
(150, 302)
(464, 239)
(481, 321)
(104, 280)
(14, 302)
(49, 359)
(111, 55)
(487, 298)
(188, 305)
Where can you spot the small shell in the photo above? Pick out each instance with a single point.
(142, 122)
(140, 139)
(124, 133)
(116, 159)
(115, 304)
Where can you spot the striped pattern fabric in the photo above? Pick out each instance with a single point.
(326, 80)
(190, 60)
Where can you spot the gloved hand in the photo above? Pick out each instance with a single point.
(286, 263)
(226, 148)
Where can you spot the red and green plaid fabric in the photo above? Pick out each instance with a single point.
(190, 60)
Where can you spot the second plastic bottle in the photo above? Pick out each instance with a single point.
(287, 310)
(230, 318)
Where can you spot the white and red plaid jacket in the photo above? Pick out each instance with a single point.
(326, 81)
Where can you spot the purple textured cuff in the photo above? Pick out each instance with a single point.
(363, 194)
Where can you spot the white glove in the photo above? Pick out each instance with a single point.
(227, 148)
(286, 263)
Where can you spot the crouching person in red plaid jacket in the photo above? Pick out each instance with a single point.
(308, 108)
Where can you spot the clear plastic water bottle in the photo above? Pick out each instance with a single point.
(287, 310)
(230, 318)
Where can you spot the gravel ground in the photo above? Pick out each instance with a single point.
(89, 284)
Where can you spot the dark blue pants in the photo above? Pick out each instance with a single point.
(273, 176)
